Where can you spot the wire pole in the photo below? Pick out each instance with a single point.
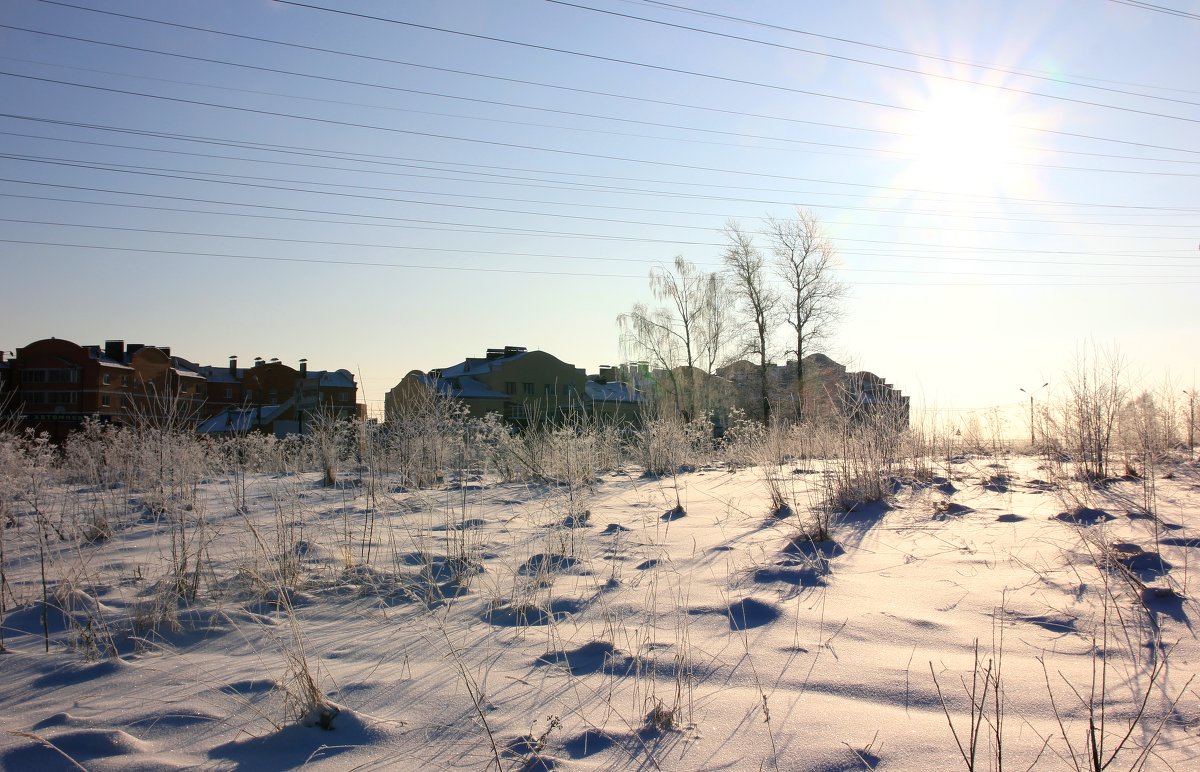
(1032, 438)
(1191, 420)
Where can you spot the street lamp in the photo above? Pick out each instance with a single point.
(1032, 439)
(1191, 395)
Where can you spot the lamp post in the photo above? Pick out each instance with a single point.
(1191, 395)
(1032, 438)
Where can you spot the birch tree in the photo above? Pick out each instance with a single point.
(758, 304)
(685, 336)
(804, 258)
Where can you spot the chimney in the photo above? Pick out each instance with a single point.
(114, 349)
(303, 368)
(258, 362)
(233, 365)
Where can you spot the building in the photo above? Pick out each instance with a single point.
(163, 387)
(276, 398)
(612, 394)
(524, 387)
(830, 391)
(55, 385)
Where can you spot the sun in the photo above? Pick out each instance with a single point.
(963, 141)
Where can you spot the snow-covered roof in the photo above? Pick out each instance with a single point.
(468, 388)
(221, 374)
(236, 420)
(614, 391)
(340, 379)
(97, 353)
(479, 366)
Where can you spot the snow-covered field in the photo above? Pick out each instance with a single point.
(635, 622)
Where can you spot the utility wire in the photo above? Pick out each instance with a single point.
(895, 154)
(557, 256)
(902, 154)
(869, 63)
(421, 163)
(475, 269)
(242, 180)
(512, 145)
(694, 73)
(1022, 72)
(178, 25)
(589, 205)
(1158, 9)
(144, 171)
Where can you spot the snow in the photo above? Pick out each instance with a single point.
(636, 622)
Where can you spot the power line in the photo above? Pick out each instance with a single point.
(591, 92)
(941, 226)
(425, 164)
(144, 171)
(869, 63)
(314, 242)
(895, 154)
(1158, 9)
(557, 111)
(693, 73)
(512, 145)
(1022, 72)
(410, 266)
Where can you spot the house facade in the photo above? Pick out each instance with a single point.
(276, 398)
(524, 387)
(54, 385)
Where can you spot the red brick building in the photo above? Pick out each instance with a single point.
(56, 384)
(274, 397)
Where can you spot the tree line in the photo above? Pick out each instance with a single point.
(706, 319)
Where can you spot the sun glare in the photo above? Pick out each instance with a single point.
(962, 142)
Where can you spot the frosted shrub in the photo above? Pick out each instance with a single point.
(742, 438)
(870, 458)
(426, 439)
(669, 445)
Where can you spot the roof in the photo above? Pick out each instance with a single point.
(221, 374)
(340, 379)
(97, 353)
(236, 420)
(614, 391)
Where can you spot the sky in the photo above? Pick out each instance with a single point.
(385, 187)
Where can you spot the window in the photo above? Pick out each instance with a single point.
(124, 380)
(516, 412)
(228, 392)
(183, 389)
(528, 389)
(104, 401)
(343, 397)
(549, 389)
(106, 379)
(510, 387)
(48, 375)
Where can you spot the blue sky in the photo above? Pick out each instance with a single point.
(409, 186)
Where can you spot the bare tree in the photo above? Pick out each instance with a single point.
(686, 336)
(804, 259)
(759, 303)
